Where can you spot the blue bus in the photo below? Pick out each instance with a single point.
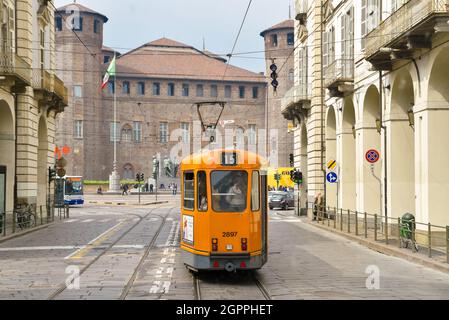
(69, 191)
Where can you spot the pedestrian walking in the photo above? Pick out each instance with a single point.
(175, 189)
(318, 206)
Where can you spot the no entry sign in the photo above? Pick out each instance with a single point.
(372, 156)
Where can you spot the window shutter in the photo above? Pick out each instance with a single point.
(364, 21)
(326, 49)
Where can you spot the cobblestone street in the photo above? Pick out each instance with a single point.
(133, 253)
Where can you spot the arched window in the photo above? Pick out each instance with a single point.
(127, 133)
(128, 172)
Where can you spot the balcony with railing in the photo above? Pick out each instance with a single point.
(14, 68)
(339, 77)
(301, 7)
(41, 80)
(49, 89)
(61, 91)
(297, 98)
(405, 31)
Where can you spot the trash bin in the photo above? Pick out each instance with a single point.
(408, 226)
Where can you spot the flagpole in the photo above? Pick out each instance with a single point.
(114, 179)
(115, 119)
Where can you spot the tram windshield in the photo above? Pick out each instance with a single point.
(229, 191)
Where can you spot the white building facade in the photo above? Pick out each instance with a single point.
(385, 87)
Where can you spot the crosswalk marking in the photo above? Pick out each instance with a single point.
(71, 221)
(87, 221)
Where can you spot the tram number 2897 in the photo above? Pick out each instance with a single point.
(230, 234)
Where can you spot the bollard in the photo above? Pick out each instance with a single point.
(349, 221)
(375, 227)
(366, 225)
(328, 217)
(68, 212)
(14, 214)
(386, 231)
(3, 223)
(356, 223)
(335, 218)
(399, 233)
(429, 238)
(447, 244)
(40, 212)
(341, 219)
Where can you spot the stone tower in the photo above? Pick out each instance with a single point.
(80, 53)
(279, 44)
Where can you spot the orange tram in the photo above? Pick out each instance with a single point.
(224, 213)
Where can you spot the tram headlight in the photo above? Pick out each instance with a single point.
(244, 244)
(214, 244)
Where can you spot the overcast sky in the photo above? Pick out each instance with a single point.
(135, 22)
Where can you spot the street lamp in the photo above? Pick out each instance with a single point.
(411, 117)
(379, 126)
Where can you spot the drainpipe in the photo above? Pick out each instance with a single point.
(385, 144)
(323, 144)
(16, 110)
(381, 98)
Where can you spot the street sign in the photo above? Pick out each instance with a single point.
(331, 165)
(332, 177)
(61, 173)
(372, 156)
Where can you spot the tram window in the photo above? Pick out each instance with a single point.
(229, 191)
(189, 191)
(255, 192)
(202, 191)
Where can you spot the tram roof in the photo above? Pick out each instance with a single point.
(213, 159)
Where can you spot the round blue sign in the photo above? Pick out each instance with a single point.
(332, 177)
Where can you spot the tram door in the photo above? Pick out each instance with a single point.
(264, 195)
(2, 189)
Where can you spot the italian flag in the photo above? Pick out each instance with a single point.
(109, 73)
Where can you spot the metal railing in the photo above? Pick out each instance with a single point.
(423, 238)
(339, 70)
(41, 79)
(12, 65)
(401, 21)
(26, 218)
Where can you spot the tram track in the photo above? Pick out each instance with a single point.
(199, 294)
(148, 249)
(62, 287)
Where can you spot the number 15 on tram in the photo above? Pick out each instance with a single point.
(224, 213)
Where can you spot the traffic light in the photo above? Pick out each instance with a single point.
(274, 76)
(140, 177)
(51, 174)
(292, 160)
(296, 176)
(277, 177)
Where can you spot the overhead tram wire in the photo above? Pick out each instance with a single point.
(237, 39)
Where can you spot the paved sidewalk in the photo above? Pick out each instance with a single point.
(437, 262)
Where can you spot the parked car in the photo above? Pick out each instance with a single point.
(281, 200)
